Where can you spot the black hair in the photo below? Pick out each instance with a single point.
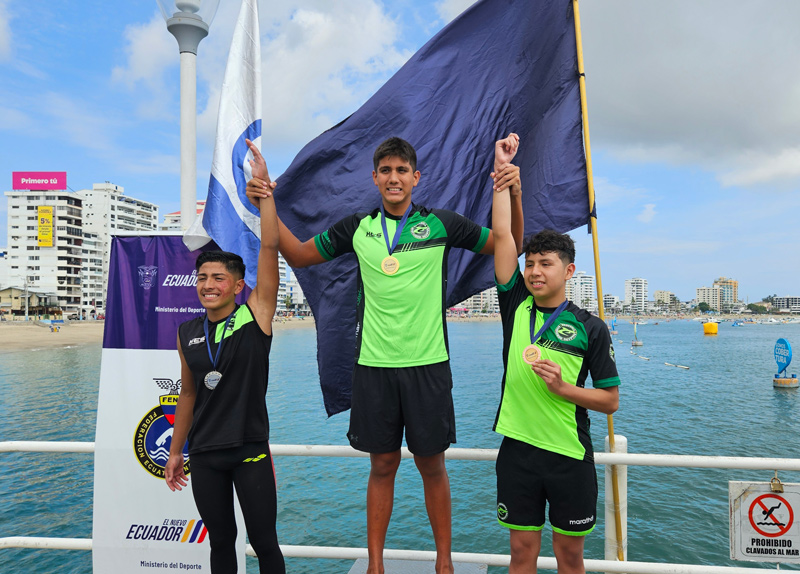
(549, 241)
(395, 147)
(233, 263)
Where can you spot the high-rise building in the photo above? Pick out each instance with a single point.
(580, 289)
(667, 300)
(45, 239)
(611, 303)
(92, 296)
(636, 294)
(108, 211)
(483, 302)
(711, 296)
(729, 292)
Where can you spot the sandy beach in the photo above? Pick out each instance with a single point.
(17, 335)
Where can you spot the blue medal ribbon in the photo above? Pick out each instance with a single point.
(214, 359)
(397, 231)
(550, 321)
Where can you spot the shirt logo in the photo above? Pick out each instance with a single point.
(197, 341)
(421, 231)
(566, 332)
(371, 234)
(611, 353)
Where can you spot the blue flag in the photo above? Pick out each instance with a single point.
(502, 66)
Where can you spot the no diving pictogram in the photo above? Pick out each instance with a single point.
(770, 515)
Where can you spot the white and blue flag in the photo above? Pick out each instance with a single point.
(229, 218)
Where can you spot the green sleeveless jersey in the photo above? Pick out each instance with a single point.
(579, 343)
(401, 317)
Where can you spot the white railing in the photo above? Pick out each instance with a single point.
(619, 459)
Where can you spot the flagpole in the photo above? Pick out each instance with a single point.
(593, 226)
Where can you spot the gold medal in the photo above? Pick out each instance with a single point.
(531, 354)
(390, 265)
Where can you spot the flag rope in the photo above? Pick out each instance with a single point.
(596, 249)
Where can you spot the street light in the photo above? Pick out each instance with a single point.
(188, 21)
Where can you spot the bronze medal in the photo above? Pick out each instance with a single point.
(531, 354)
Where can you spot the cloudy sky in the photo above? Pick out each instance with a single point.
(694, 114)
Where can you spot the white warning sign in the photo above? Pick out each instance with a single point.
(764, 525)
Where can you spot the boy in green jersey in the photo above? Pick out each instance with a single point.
(549, 348)
(401, 380)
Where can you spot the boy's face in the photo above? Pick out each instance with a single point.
(546, 277)
(216, 286)
(395, 180)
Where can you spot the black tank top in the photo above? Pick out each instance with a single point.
(236, 411)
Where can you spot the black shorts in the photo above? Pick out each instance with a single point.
(385, 400)
(528, 477)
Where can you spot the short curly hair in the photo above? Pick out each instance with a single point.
(549, 241)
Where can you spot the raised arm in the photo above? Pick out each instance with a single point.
(504, 151)
(506, 176)
(264, 297)
(296, 253)
(505, 250)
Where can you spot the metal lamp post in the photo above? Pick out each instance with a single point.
(188, 21)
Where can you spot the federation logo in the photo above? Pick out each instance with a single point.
(153, 435)
(421, 231)
(147, 276)
(502, 511)
(566, 332)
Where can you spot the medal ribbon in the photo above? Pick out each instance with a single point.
(397, 231)
(547, 323)
(208, 343)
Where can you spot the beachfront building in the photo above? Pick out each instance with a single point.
(711, 296)
(108, 211)
(786, 304)
(483, 302)
(172, 221)
(636, 295)
(729, 293)
(294, 298)
(3, 267)
(611, 303)
(666, 301)
(46, 257)
(92, 294)
(580, 290)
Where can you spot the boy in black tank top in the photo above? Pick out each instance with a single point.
(222, 405)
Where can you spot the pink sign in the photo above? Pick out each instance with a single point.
(38, 180)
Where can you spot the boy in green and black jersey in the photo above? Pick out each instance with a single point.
(550, 346)
(401, 379)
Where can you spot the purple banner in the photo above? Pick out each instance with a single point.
(152, 289)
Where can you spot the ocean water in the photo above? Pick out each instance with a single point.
(723, 405)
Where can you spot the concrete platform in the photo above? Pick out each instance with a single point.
(416, 567)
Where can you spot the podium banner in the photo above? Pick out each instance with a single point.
(139, 525)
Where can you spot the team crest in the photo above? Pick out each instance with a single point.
(502, 511)
(566, 332)
(153, 436)
(147, 276)
(421, 231)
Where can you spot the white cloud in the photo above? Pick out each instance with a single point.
(758, 169)
(699, 83)
(5, 31)
(319, 63)
(76, 122)
(608, 192)
(12, 119)
(648, 213)
(151, 51)
(449, 9)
